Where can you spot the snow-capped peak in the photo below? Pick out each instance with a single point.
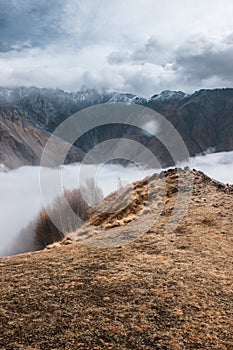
(169, 95)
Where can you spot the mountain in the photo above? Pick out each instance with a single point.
(160, 291)
(22, 139)
(203, 119)
(29, 115)
(21, 142)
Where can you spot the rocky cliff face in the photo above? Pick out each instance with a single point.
(28, 115)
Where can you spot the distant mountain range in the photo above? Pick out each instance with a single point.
(29, 115)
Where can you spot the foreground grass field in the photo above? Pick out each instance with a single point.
(161, 291)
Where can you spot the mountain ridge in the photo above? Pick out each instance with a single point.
(204, 119)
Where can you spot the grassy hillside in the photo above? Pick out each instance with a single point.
(160, 291)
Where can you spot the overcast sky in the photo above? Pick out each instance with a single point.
(138, 46)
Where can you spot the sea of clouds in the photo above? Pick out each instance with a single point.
(21, 197)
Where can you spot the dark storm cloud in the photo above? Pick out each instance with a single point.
(211, 61)
(25, 23)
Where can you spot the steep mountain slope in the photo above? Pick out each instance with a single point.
(161, 291)
(22, 142)
(49, 107)
(203, 119)
(29, 115)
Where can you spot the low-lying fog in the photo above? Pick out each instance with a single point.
(20, 196)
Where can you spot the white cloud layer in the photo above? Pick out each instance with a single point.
(20, 196)
(142, 46)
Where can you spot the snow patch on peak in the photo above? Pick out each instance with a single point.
(126, 98)
(169, 95)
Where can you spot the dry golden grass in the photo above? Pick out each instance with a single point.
(159, 292)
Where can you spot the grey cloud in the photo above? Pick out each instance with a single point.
(151, 52)
(118, 58)
(25, 23)
(57, 43)
(229, 39)
(209, 62)
(141, 82)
